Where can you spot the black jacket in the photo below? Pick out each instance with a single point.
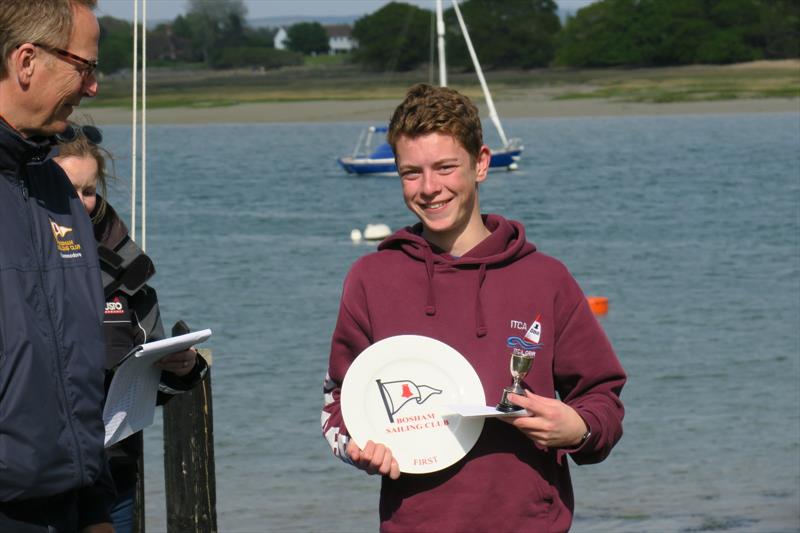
(51, 342)
(132, 317)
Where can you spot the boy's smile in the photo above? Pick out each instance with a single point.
(440, 186)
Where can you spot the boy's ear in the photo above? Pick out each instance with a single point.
(482, 163)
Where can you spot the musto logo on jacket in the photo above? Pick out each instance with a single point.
(68, 247)
(115, 307)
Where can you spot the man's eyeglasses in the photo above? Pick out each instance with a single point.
(85, 67)
(73, 131)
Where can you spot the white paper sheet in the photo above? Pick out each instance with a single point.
(482, 411)
(131, 399)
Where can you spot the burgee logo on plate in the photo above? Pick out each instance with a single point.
(396, 394)
(398, 391)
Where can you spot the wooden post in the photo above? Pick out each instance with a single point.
(138, 500)
(189, 477)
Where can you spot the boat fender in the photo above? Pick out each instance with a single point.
(376, 232)
(598, 304)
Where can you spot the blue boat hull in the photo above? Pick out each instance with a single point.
(500, 159)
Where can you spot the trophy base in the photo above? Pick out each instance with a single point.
(506, 406)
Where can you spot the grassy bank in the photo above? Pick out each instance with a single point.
(198, 88)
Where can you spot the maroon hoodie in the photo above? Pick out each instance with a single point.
(482, 304)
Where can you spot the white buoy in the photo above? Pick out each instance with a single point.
(376, 232)
(355, 235)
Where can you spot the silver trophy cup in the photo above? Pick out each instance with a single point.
(520, 366)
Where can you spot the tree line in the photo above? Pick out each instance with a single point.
(506, 33)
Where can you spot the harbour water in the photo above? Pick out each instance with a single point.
(690, 225)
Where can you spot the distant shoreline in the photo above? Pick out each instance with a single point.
(346, 94)
(530, 104)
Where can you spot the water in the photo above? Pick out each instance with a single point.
(689, 224)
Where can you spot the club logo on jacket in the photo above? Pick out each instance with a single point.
(68, 247)
(529, 343)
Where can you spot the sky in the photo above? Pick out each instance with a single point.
(169, 9)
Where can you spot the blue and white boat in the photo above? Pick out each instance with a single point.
(373, 156)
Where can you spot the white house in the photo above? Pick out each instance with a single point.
(279, 41)
(340, 39)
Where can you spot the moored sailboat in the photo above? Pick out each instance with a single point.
(371, 157)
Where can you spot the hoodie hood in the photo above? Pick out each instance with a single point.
(505, 244)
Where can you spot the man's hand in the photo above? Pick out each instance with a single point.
(179, 363)
(105, 527)
(550, 423)
(374, 459)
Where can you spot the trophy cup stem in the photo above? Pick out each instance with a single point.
(505, 404)
(520, 366)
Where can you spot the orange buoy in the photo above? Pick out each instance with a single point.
(598, 304)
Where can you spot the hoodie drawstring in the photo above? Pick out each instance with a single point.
(480, 324)
(430, 304)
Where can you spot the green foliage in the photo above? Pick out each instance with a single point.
(327, 60)
(218, 10)
(677, 32)
(780, 27)
(263, 37)
(254, 56)
(505, 33)
(394, 38)
(599, 36)
(116, 45)
(209, 26)
(307, 38)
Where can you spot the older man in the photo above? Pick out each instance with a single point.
(53, 473)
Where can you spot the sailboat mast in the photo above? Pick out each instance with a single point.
(440, 42)
(489, 102)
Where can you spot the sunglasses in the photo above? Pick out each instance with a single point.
(85, 67)
(73, 131)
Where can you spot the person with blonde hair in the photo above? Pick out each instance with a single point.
(131, 314)
(474, 282)
(53, 471)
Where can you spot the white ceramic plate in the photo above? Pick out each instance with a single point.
(398, 391)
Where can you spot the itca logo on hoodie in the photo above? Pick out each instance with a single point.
(530, 342)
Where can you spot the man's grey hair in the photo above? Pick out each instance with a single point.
(48, 22)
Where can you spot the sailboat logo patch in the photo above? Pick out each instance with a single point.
(396, 394)
(68, 248)
(535, 331)
(530, 342)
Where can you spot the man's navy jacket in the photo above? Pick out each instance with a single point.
(51, 342)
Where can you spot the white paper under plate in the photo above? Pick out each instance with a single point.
(483, 411)
(398, 391)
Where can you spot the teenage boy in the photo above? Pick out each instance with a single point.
(472, 281)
